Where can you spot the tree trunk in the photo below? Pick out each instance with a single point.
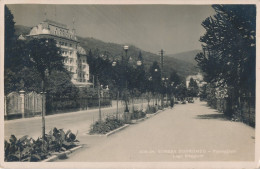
(117, 97)
(99, 101)
(43, 109)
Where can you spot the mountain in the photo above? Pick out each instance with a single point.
(20, 29)
(188, 56)
(114, 52)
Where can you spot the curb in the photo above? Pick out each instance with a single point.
(61, 155)
(138, 120)
(116, 130)
(109, 133)
(146, 117)
(124, 126)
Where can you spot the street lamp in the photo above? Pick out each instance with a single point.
(139, 63)
(156, 96)
(124, 62)
(114, 63)
(126, 48)
(165, 82)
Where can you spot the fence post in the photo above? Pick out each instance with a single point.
(21, 92)
(43, 113)
(5, 107)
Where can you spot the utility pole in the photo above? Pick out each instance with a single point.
(162, 73)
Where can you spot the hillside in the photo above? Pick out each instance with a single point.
(20, 29)
(188, 56)
(115, 51)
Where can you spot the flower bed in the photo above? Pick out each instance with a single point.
(28, 149)
(151, 110)
(137, 114)
(106, 126)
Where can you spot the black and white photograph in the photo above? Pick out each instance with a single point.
(129, 85)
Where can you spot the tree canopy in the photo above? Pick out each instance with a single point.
(229, 48)
(193, 89)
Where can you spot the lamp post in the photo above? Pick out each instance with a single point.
(124, 62)
(162, 60)
(156, 98)
(171, 94)
(165, 81)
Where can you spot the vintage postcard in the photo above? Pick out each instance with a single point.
(129, 84)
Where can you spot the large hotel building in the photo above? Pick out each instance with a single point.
(75, 56)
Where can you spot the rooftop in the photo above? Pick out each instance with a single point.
(56, 24)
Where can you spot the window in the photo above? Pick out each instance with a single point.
(70, 45)
(65, 44)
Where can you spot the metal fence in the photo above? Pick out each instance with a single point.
(68, 104)
(245, 112)
(19, 105)
(22, 104)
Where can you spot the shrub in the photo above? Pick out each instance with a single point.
(106, 126)
(151, 110)
(28, 149)
(137, 114)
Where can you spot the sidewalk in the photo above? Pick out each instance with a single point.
(188, 132)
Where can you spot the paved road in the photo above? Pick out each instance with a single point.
(76, 121)
(191, 132)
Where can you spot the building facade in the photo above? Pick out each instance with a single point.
(198, 78)
(75, 56)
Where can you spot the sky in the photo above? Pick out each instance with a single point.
(173, 28)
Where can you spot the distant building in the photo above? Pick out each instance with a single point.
(198, 78)
(75, 56)
(21, 37)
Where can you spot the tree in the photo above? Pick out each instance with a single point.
(175, 78)
(203, 92)
(60, 87)
(155, 79)
(9, 30)
(193, 88)
(155, 74)
(181, 91)
(45, 57)
(229, 55)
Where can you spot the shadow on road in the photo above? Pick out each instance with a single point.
(213, 116)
